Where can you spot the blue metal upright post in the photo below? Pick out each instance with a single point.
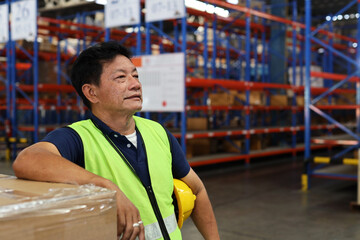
(107, 34)
(358, 73)
(35, 82)
(294, 73)
(214, 47)
(263, 55)
(58, 80)
(247, 77)
(8, 75)
(13, 118)
(183, 114)
(138, 37)
(307, 95)
(205, 52)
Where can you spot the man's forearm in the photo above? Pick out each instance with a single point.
(204, 218)
(41, 163)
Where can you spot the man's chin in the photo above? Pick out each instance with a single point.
(138, 109)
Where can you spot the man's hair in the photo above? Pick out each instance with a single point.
(88, 66)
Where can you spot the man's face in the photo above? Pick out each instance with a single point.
(120, 89)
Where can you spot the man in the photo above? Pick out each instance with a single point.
(114, 149)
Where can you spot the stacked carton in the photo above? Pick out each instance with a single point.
(233, 97)
(32, 210)
(197, 146)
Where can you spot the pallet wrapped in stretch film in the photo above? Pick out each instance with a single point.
(31, 210)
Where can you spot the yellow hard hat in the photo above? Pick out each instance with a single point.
(185, 201)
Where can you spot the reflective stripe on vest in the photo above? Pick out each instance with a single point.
(152, 231)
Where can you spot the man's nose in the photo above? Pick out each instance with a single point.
(134, 83)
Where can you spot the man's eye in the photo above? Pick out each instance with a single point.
(135, 76)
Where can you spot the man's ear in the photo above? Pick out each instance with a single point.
(89, 91)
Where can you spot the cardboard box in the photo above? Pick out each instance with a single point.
(300, 76)
(234, 147)
(256, 98)
(31, 210)
(221, 99)
(345, 99)
(324, 102)
(197, 123)
(279, 100)
(300, 101)
(198, 147)
(254, 4)
(256, 143)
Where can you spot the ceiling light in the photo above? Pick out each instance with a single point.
(101, 2)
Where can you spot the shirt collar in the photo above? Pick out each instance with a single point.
(101, 125)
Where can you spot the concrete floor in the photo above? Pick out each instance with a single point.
(265, 203)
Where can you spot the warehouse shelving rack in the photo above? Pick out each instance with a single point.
(16, 72)
(213, 78)
(84, 31)
(349, 140)
(226, 84)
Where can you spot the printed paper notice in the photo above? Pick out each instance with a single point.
(4, 23)
(122, 13)
(158, 10)
(163, 82)
(23, 20)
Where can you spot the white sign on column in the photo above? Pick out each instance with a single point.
(23, 20)
(163, 82)
(122, 13)
(4, 23)
(157, 10)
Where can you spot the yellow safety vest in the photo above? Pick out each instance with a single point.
(101, 157)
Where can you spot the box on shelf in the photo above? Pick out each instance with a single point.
(256, 98)
(197, 123)
(300, 101)
(255, 143)
(345, 99)
(356, 153)
(325, 102)
(254, 4)
(198, 147)
(279, 100)
(222, 98)
(31, 210)
(234, 147)
(300, 76)
(48, 71)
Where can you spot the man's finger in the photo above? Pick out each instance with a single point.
(136, 231)
(142, 231)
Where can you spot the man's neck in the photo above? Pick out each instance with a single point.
(121, 123)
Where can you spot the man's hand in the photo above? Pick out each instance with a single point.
(129, 222)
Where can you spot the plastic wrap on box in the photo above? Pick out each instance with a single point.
(31, 210)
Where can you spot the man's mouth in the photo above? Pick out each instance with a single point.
(133, 97)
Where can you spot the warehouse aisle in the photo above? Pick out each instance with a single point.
(265, 203)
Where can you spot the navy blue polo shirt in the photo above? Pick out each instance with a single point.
(70, 146)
